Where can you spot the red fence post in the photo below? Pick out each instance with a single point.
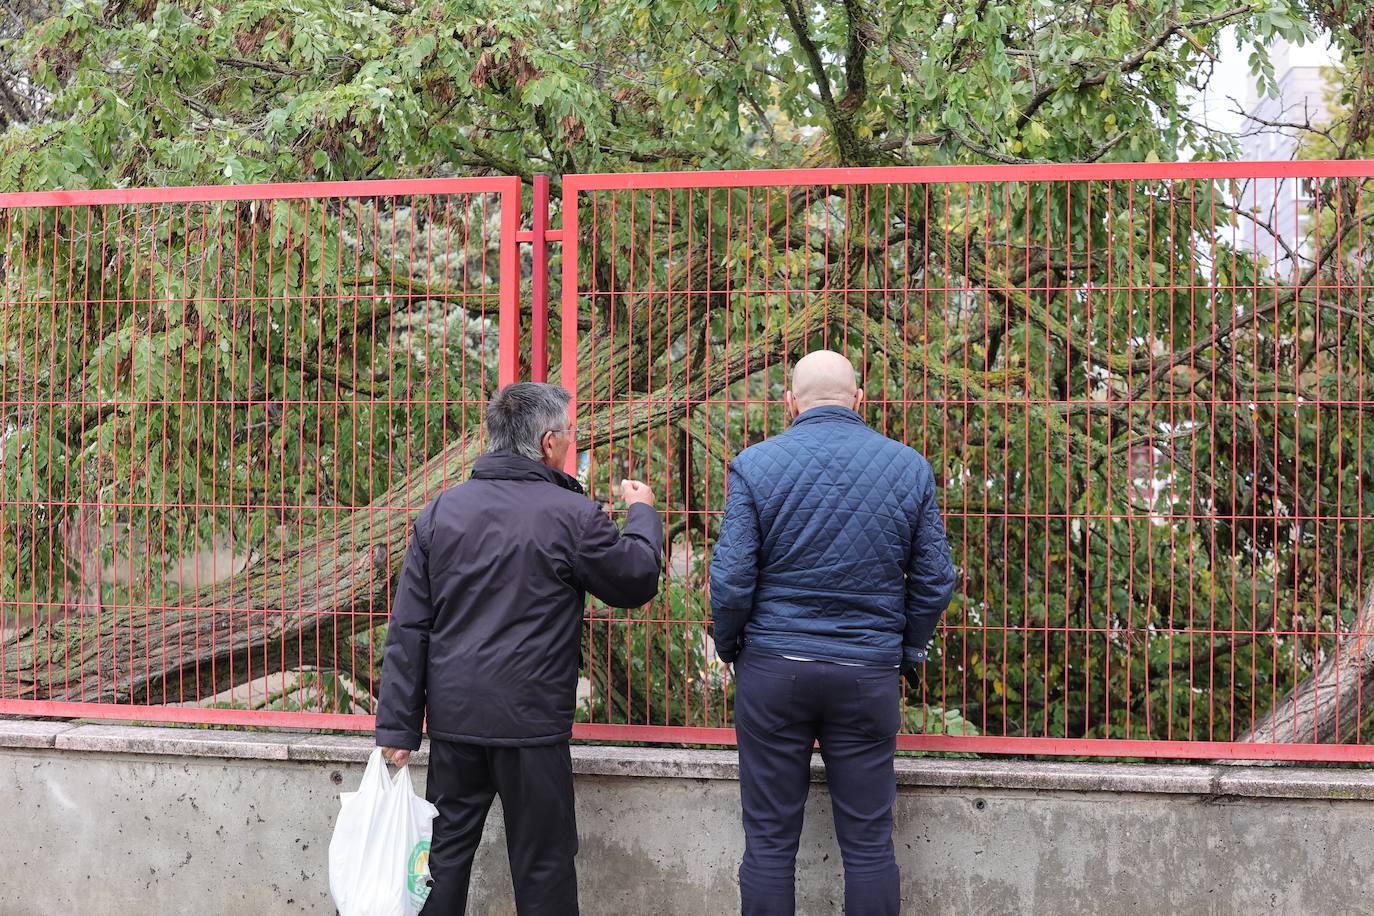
(539, 285)
(568, 365)
(508, 370)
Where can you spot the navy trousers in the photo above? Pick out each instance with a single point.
(782, 707)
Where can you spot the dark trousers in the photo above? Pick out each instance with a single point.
(782, 708)
(536, 789)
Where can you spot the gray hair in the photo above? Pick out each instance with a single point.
(520, 414)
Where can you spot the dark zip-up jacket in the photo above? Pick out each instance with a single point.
(484, 642)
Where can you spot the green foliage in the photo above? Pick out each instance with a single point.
(656, 670)
(207, 91)
(162, 391)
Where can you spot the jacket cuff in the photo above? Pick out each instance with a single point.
(912, 658)
(728, 653)
(643, 520)
(406, 741)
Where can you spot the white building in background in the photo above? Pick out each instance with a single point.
(1283, 205)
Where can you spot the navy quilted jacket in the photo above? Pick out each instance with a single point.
(831, 547)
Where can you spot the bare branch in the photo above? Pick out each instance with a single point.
(1305, 125)
(991, 153)
(239, 63)
(896, 143)
(197, 106)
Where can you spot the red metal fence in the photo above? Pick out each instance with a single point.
(221, 408)
(1141, 386)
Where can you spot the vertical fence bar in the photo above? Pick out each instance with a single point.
(568, 365)
(509, 321)
(539, 283)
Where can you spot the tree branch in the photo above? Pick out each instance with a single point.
(1164, 366)
(955, 58)
(990, 153)
(1306, 126)
(895, 143)
(1105, 148)
(239, 63)
(796, 17)
(856, 79)
(1130, 65)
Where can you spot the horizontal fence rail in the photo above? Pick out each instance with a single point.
(222, 406)
(1142, 388)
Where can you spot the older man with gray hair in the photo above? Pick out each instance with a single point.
(484, 645)
(829, 577)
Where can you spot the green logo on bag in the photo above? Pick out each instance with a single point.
(417, 871)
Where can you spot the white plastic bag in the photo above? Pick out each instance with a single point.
(379, 854)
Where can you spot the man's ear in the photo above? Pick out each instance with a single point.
(858, 400)
(789, 401)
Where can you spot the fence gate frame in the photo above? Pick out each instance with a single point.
(576, 186)
(505, 188)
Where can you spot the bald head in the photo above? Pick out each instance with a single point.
(824, 378)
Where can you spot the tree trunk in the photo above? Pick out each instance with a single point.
(1327, 707)
(274, 616)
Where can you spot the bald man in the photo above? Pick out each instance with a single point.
(828, 579)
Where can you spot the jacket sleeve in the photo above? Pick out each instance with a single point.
(401, 710)
(930, 576)
(734, 568)
(621, 569)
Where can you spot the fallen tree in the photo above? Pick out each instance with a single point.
(1329, 705)
(254, 623)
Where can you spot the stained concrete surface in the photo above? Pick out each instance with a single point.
(120, 819)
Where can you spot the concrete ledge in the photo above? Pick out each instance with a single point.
(1036, 775)
(344, 749)
(668, 763)
(26, 733)
(175, 742)
(654, 762)
(1277, 782)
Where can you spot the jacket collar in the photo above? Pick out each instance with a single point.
(510, 466)
(828, 414)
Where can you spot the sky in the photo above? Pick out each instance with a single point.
(1231, 79)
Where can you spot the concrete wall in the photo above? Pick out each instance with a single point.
(116, 820)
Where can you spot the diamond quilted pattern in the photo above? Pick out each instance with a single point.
(835, 502)
(842, 547)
